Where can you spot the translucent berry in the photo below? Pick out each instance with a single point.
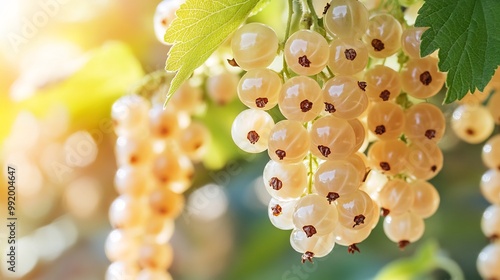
(421, 77)
(260, 88)
(348, 56)
(424, 122)
(355, 209)
(336, 178)
(490, 186)
(490, 222)
(194, 140)
(389, 157)
(221, 88)
(344, 97)
(404, 229)
(488, 261)
(306, 52)
(315, 216)
(316, 246)
(383, 83)
(491, 153)
(472, 123)
(386, 120)
(346, 18)
(383, 35)
(396, 197)
(288, 142)
(424, 160)
(285, 181)
(410, 41)
(281, 213)
(163, 123)
(254, 46)
(300, 99)
(426, 199)
(332, 138)
(250, 130)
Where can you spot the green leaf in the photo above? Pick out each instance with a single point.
(407, 268)
(200, 27)
(422, 263)
(467, 34)
(259, 7)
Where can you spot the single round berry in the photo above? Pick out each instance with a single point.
(250, 130)
(130, 115)
(281, 213)
(194, 140)
(404, 229)
(389, 156)
(259, 88)
(163, 17)
(346, 18)
(410, 41)
(335, 178)
(344, 94)
(488, 261)
(355, 209)
(332, 138)
(472, 123)
(306, 52)
(221, 88)
(348, 56)
(490, 186)
(491, 153)
(426, 199)
(285, 181)
(421, 78)
(288, 142)
(396, 197)
(300, 99)
(315, 246)
(424, 122)
(254, 45)
(163, 123)
(424, 160)
(386, 120)
(314, 215)
(383, 35)
(490, 222)
(383, 83)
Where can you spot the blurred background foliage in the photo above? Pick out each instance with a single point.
(61, 75)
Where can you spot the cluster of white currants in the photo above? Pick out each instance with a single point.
(474, 123)
(488, 262)
(335, 102)
(155, 151)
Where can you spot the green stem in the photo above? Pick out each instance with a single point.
(451, 267)
(310, 173)
(330, 72)
(289, 20)
(286, 74)
(324, 78)
(315, 20)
